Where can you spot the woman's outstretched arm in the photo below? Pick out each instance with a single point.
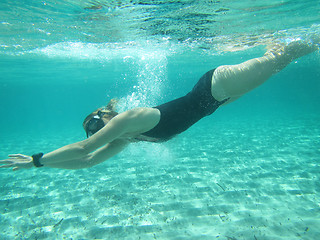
(92, 159)
(130, 122)
(124, 125)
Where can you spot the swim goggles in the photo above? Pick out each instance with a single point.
(95, 124)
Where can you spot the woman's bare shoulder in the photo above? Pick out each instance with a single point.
(142, 119)
(142, 111)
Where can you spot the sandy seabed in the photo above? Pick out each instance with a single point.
(258, 181)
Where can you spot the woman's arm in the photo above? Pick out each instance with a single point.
(129, 123)
(97, 157)
(137, 121)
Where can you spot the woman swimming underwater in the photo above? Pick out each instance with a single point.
(109, 132)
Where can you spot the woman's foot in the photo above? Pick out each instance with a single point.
(299, 48)
(284, 54)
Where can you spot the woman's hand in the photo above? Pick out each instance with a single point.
(17, 161)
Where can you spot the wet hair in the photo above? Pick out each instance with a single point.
(99, 118)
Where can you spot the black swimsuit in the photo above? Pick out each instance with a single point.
(178, 115)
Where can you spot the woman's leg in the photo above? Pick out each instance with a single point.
(232, 81)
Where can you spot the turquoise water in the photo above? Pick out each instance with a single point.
(249, 171)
